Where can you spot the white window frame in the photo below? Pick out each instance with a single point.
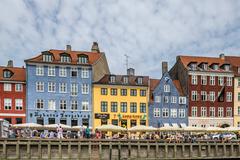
(74, 105)
(74, 89)
(156, 112)
(220, 81)
(203, 111)
(18, 87)
(212, 80)
(166, 88)
(62, 87)
(212, 112)
(51, 104)
(85, 88)
(39, 70)
(51, 71)
(7, 104)
(157, 99)
(194, 111)
(173, 99)
(212, 96)
(182, 113)
(229, 112)
(182, 100)
(41, 102)
(194, 96)
(39, 86)
(51, 87)
(62, 72)
(220, 111)
(85, 105)
(85, 73)
(62, 104)
(203, 80)
(204, 96)
(229, 81)
(166, 112)
(7, 87)
(229, 97)
(74, 69)
(173, 113)
(194, 79)
(19, 104)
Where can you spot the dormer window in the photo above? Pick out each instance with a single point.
(125, 80)
(204, 66)
(7, 74)
(112, 79)
(226, 67)
(238, 70)
(83, 59)
(194, 66)
(47, 58)
(139, 80)
(215, 67)
(65, 59)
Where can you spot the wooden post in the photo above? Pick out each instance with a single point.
(49, 150)
(224, 150)
(231, 150)
(157, 151)
(89, 149)
(129, 150)
(119, 150)
(190, 150)
(175, 151)
(5, 149)
(166, 151)
(28, 150)
(183, 150)
(40, 150)
(216, 150)
(17, 150)
(110, 150)
(69, 150)
(79, 150)
(138, 150)
(199, 150)
(208, 149)
(148, 149)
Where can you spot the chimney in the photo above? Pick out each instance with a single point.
(95, 47)
(164, 67)
(68, 48)
(221, 56)
(10, 63)
(130, 72)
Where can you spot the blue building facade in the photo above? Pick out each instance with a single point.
(168, 105)
(59, 87)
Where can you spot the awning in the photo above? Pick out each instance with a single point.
(175, 125)
(183, 125)
(166, 125)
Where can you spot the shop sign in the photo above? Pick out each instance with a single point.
(101, 116)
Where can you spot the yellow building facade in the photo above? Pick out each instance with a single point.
(124, 104)
(236, 102)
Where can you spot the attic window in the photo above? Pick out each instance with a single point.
(139, 80)
(226, 67)
(83, 59)
(193, 66)
(204, 66)
(65, 58)
(7, 74)
(215, 67)
(47, 58)
(125, 80)
(112, 79)
(238, 70)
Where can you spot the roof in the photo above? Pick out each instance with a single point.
(186, 60)
(132, 80)
(178, 86)
(153, 84)
(18, 74)
(92, 56)
(235, 62)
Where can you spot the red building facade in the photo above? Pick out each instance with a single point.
(208, 82)
(12, 94)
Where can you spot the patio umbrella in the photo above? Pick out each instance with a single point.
(232, 129)
(27, 125)
(80, 127)
(214, 129)
(54, 126)
(110, 127)
(142, 128)
(193, 129)
(167, 128)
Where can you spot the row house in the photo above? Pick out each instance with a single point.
(121, 100)
(12, 93)
(208, 82)
(168, 104)
(59, 85)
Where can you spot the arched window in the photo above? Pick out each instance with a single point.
(83, 59)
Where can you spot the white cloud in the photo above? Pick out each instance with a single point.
(148, 31)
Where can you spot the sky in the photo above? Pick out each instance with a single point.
(148, 31)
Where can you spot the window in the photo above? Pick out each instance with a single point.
(181, 113)
(85, 73)
(238, 124)
(229, 97)
(166, 88)
(165, 112)
(239, 81)
(123, 92)
(194, 96)
(51, 87)
(182, 100)
(51, 104)
(229, 81)
(74, 105)
(104, 91)
(139, 80)
(63, 104)
(238, 70)
(74, 72)
(85, 105)
(39, 70)
(212, 111)
(205, 66)
(133, 92)
(173, 99)
(124, 107)
(142, 107)
(112, 79)
(220, 81)
(114, 107)
(173, 113)
(203, 80)
(239, 110)
(212, 80)
(125, 80)
(220, 111)
(19, 104)
(142, 93)
(62, 72)
(156, 112)
(238, 96)
(39, 86)
(7, 74)
(7, 87)
(113, 91)
(18, 87)
(7, 104)
(51, 70)
(229, 112)
(226, 67)
(157, 99)
(65, 59)
(47, 58)
(194, 111)
(104, 106)
(203, 95)
(203, 112)
(193, 66)
(85, 88)
(39, 104)
(74, 89)
(212, 96)
(215, 67)
(83, 59)
(194, 80)
(133, 107)
(165, 99)
(62, 87)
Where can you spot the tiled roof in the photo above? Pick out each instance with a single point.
(92, 56)
(178, 86)
(18, 74)
(153, 84)
(235, 62)
(132, 80)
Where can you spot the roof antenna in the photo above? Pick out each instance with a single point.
(126, 61)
